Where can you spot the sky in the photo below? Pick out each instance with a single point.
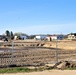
(38, 16)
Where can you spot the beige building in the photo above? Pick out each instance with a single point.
(48, 38)
(72, 36)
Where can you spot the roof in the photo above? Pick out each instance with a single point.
(72, 34)
(55, 35)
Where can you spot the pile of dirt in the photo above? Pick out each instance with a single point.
(65, 64)
(62, 65)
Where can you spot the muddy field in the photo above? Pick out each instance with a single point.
(34, 53)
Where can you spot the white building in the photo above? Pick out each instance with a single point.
(57, 37)
(40, 37)
(48, 38)
(22, 36)
(53, 37)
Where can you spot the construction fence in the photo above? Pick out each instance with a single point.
(34, 56)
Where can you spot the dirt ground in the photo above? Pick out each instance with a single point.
(50, 72)
(37, 52)
(67, 51)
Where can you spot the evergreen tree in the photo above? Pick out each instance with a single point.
(11, 35)
(7, 33)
